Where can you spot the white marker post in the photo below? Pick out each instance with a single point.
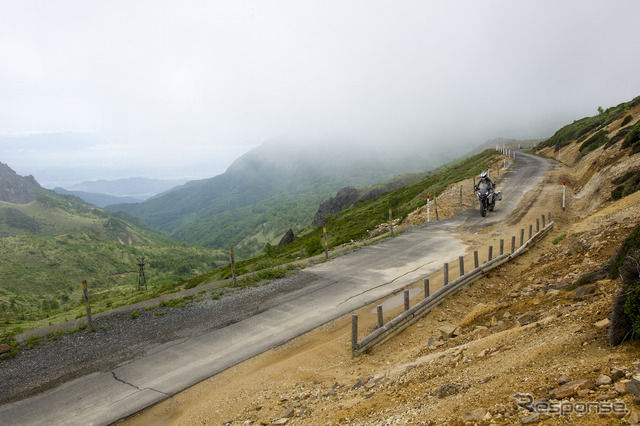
(564, 187)
(428, 212)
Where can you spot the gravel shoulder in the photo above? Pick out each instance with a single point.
(127, 334)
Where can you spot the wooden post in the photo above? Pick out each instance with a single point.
(490, 255)
(87, 304)
(521, 237)
(461, 263)
(530, 231)
(380, 317)
(406, 300)
(233, 267)
(513, 243)
(354, 334)
(446, 273)
(543, 221)
(537, 225)
(549, 215)
(435, 202)
(475, 259)
(426, 288)
(390, 223)
(501, 246)
(460, 195)
(326, 244)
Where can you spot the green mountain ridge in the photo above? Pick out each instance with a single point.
(277, 186)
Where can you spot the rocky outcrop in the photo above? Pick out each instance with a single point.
(287, 238)
(15, 188)
(343, 199)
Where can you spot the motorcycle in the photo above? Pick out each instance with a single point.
(487, 198)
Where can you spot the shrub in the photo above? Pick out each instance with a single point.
(627, 184)
(595, 141)
(616, 194)
(179, 302)
(625, 319)
(313, 247)
(32, 342)
(630, 245)
(559, 238)
(620, 325)
(632, 139)
(630, 273)
(8, 338)
(622, 133)
(626, 120)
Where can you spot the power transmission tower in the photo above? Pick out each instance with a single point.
(142, 279)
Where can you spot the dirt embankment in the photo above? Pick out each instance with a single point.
(526, 330)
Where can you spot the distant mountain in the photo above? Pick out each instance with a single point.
(272, 188)
(138, 188)
(100, 200)
(15, 188)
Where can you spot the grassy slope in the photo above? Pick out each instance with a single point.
(49, 246)
(580, 129)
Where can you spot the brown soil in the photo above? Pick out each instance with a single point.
(523, 328)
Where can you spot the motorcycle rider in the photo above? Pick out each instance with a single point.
(484, 178)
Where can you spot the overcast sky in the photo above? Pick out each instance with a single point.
(187, 86)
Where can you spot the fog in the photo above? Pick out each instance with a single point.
(181, 88)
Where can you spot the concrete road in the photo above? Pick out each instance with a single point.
(336, 288)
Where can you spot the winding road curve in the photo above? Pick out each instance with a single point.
(332, 289)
